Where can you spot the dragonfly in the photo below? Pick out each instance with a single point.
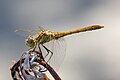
(54, 39)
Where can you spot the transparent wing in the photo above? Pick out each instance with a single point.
(58, 47)
(26, 31)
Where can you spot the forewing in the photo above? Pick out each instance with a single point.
(26, 31)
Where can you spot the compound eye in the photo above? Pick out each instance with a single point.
(29, 40)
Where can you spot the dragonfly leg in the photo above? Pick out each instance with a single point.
(48, 53)
(44, 70)
(40, 52)
(39, 49)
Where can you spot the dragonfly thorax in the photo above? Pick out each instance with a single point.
(43, 37)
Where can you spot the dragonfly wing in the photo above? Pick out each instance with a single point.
(41, 28)
(26, 31)
(58, 47)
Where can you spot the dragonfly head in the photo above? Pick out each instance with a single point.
(30, 42)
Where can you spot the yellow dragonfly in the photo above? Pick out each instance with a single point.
(44, 37)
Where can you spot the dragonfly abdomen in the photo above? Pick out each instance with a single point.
(89, 28)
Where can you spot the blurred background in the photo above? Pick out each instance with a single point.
(91, 55)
